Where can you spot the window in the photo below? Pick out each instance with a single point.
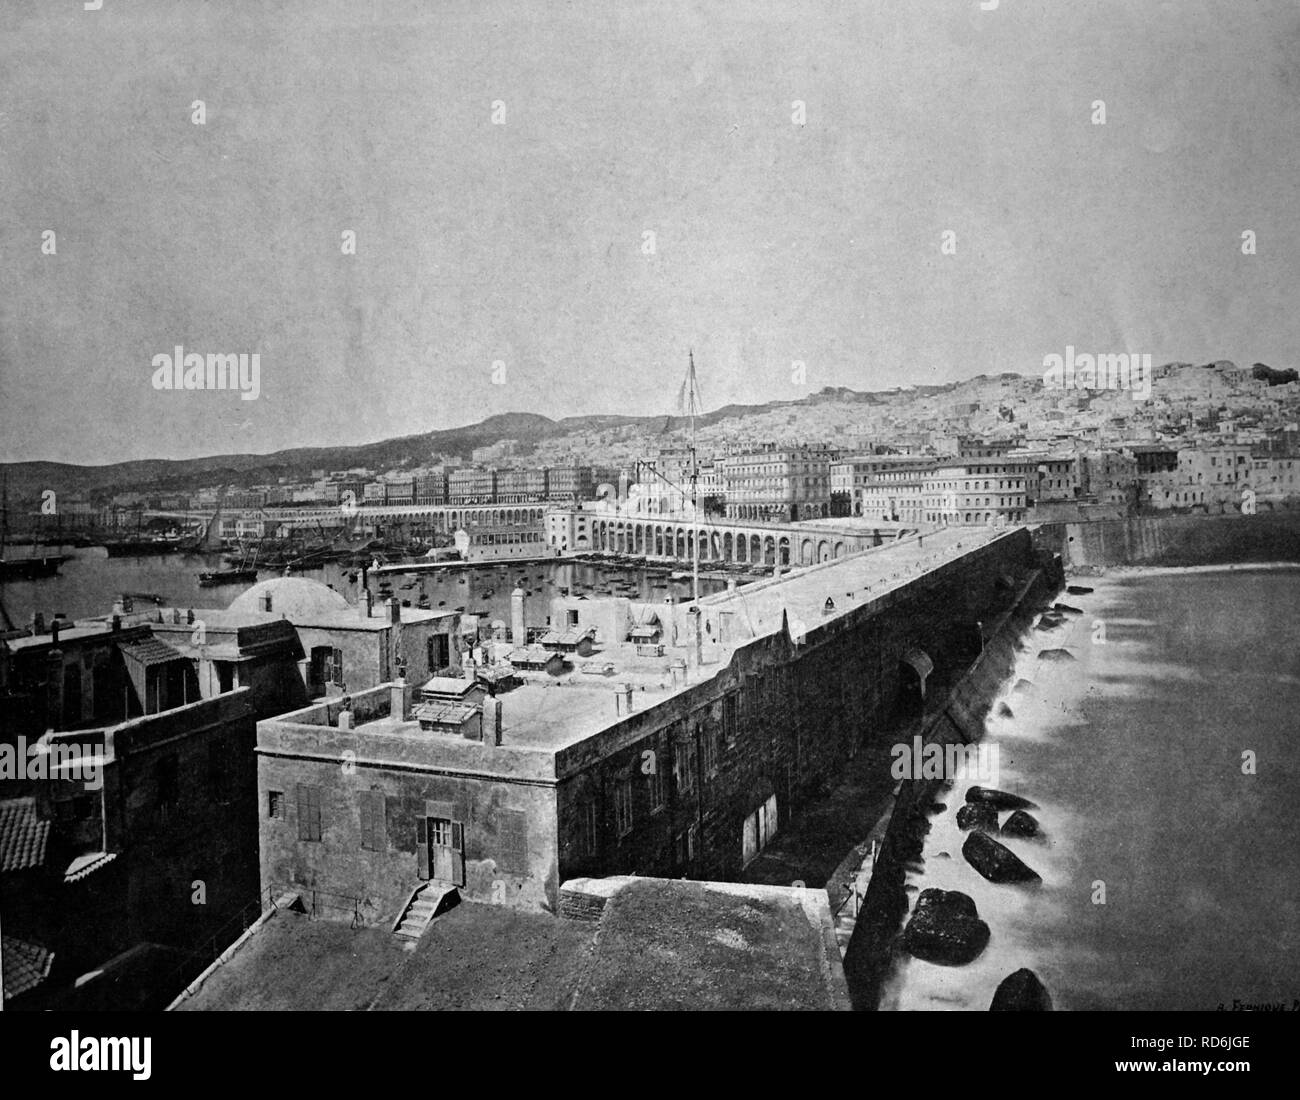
(440, 652)
(729, 710)
(623, 806)
(512, 842)
(684, 764)
(658, 787)
(373, 837)
(336, 667)
(709, 741)
(308, 812)
(587, 835)
(275, 805)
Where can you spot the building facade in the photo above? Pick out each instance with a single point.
(780, 485)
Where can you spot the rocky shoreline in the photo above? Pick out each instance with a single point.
(944, 927)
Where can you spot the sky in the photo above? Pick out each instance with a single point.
(503, 265)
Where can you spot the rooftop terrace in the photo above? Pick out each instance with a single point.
(547, 713)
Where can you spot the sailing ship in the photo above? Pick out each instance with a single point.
(28, 568)
(244, 573)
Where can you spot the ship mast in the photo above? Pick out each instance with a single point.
(690, 401)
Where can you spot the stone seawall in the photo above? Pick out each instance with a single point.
(1174, 540)
(867, 959)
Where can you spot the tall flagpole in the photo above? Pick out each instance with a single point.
(695, 477)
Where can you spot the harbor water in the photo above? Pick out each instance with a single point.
(1162, 761)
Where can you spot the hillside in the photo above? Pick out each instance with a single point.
(830, 413)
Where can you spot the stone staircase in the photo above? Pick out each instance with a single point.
(428, 900)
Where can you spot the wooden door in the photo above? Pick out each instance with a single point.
(444, 851)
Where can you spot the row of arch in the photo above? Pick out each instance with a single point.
(659, 540)
(769, 514)
(496, 515)
(454, 517)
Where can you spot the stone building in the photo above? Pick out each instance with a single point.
(977, 492)
(681, 758)
(472, 485)
(778, 484)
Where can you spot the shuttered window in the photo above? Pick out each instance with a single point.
(308, 812)
(684, 764)
(658, 766)
(623, 806)
(373, 838)
(336, 667)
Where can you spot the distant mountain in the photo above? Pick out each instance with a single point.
(28, 479)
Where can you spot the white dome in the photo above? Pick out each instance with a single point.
(296, 598)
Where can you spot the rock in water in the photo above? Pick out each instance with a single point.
(1078, 590)
(1021, 992)
(999, 800)
(1055, 655)
(1021, 824)
(996, 862)
(945, 928)
(977, 816)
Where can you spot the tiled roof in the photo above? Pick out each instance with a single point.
(26, 965)
(150, 651)
(87, 864)
(23, 836)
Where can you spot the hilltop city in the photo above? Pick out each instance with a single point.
(1204, 435)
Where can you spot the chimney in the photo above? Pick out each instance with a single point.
(623, 699)
(492, 720)
(394, 610)
(399, 706)
(345, 719)
(189, 616)
(119, 606)
(518, 632)
(117, 622)
(54, 631)
(38, 622)
(366, 603)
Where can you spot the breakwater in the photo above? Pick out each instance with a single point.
(1174, 540)
(870, 951)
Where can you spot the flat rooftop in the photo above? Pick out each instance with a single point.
(661, 945)
(350, 619)
(548, 713)
(848, 582)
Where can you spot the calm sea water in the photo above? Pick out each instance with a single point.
(88, 584)
(1134, 754)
